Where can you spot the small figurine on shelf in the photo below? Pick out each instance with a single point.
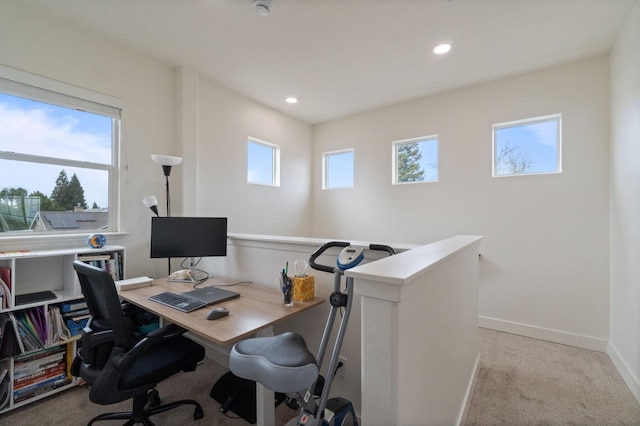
(96, 240)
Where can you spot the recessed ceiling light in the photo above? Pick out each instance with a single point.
(442, 48)
(291, 100)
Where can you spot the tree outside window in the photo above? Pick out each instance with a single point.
(529, 146)
(415, 160)
(57, 157)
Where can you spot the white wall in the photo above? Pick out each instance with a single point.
(225, 121)
(34, 43)
(624, 346)
(545, 249)
(168, 111)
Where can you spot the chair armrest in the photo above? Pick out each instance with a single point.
(95, 346)
(94, 338)
(123, 361)
(166, 332)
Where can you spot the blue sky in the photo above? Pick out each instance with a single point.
(339, 171)
(260, 163)
(31, 127)
(536, 140)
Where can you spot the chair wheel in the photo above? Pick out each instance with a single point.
(153, 399)
(198, 413)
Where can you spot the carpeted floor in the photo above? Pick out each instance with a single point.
(73, 408)
(522, 381)
(525, 381)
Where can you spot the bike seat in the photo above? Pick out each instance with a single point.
(281, 363)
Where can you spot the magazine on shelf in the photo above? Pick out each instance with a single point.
(57, 330)
(5, 384)
(5, 295)
(8, 338)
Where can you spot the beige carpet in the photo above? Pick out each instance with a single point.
(522, 381)
(72, 407)
(525, 381)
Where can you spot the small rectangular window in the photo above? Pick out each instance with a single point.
(415, 160)
(263, 162)
(527, 147)
(58, 159)
(337, 169)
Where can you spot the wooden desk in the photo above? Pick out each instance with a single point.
(257, 308)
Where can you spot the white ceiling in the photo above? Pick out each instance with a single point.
(340, 57)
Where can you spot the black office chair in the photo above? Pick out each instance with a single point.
(117, 364)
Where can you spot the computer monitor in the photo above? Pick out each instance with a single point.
(188, 237)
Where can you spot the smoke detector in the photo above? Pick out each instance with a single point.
(262, 7)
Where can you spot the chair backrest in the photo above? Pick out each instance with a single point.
(103, 302)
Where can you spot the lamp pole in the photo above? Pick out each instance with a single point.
(167, 171)
(167, 161)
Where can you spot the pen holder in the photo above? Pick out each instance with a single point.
(303, 288)
(287, 296)
(286, 289)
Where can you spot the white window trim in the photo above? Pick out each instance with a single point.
(110, 103)
(394, 158)
(525, 121)
(324, 168)
(21, 83)
(275, 167)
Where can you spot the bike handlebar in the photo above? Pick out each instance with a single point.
(320, 250)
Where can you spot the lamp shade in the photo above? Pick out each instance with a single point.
(166, 160)
(151, 202)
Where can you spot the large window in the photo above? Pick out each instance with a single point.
(337, 169)
(58, 158)
(263, 162)
(526, 147)
(415, 160)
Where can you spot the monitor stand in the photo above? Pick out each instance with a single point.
(190, 275)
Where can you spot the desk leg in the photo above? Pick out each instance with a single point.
(265, 411)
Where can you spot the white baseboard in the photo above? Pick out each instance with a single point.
(550, 335)
(623, 368)
(471, 387)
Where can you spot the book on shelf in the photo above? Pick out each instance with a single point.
(40, 388)
(5, 288)
(40, 375)
(5, 382)
(94, 257)
(111, 262)
(35, 328)
(72, 306)
(32, 326)
(57, 330)
(28, 365)
(39, 372)
(8, 338)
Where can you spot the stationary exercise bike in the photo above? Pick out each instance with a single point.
(284, 364)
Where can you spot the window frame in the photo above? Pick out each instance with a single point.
(325, 172)
(394, 158)
(525, 122)
(41, 89)
(275, 161)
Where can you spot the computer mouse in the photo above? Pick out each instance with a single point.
(217, 313)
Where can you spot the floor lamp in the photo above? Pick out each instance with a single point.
(167, 162)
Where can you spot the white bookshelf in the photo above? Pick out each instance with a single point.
(47, 270)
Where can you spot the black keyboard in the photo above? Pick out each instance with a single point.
(178, 301)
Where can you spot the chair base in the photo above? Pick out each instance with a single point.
(145, 406)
